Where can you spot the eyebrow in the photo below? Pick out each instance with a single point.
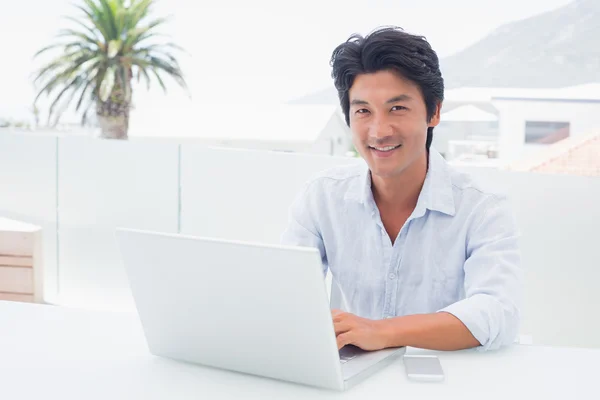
(402, 97)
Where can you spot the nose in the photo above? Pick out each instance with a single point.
(380, 128)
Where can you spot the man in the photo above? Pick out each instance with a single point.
(422, 256)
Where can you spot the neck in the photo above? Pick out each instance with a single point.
(401, 192)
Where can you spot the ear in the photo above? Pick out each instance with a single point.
(435, 119)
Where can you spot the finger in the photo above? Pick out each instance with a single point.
(341, 316)
(341, 327)
(336, 312)
(344, 339)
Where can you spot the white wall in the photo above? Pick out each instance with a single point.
(245, 195)
(559, 218)
(299, 146)
(320, 145)
(104, 185)
(28, 191)
(584, 118)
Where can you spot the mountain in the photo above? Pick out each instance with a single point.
(555, 49)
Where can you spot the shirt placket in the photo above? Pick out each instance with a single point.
(390, 286)
(393, 273)
(387, 249)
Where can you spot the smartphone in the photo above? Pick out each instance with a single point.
(423, 368)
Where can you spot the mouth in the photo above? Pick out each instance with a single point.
(384, 151)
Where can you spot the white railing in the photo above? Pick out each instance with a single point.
(80, 189)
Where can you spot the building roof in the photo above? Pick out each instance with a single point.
(588, 92)
(572, 156)
(468, 113)
(264, 122)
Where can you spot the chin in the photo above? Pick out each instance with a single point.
(387, 172)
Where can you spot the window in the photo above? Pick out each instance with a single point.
(542, 132)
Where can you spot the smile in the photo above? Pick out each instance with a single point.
(385, 148)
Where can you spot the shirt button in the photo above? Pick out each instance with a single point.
(392, 276)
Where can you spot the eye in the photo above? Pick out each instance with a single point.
(362, 111)
(399, 108)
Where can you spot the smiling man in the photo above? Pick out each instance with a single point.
(421, 254)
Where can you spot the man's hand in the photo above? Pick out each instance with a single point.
(365, 333)
(437, 331)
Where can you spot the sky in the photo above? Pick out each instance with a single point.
(258, 52)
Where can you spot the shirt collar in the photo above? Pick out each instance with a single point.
(436, 194)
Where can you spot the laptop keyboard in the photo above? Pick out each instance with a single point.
(349, 352)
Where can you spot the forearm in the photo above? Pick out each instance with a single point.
(438, 331)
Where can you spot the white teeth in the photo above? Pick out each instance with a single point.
(387, 148)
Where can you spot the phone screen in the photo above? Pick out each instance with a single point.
(423, 367)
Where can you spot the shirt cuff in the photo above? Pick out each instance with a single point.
(471, 313)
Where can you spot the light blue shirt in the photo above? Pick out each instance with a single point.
(457, 252)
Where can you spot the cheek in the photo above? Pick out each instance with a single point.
(359, 133)
(414, 130)
(358, 143)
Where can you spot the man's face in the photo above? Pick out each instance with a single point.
(388, 119)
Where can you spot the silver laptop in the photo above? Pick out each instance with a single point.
(246, 307)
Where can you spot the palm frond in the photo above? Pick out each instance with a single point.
(114, 47)
(141, 71)
(65, 63)
(148, 35)
(170, 69)
(88, 84)
(139, 11)
(108, 83)
(110, 17)
(76, 70)
(162, 47)
(95, 21)
(72, 86)
(141, 62)
(86, 27)
(58, 74)
(159, 79)
(79, 35)
(135, 36)
(100, 54)
(53, 46)
(124, 79)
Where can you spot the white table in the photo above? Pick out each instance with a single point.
(49, 352)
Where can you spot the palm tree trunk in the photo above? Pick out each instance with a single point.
(113, 115)
(113, 127)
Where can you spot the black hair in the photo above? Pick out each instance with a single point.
(389, 48)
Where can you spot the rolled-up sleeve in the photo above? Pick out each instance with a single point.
(301, 227)
(493, 277)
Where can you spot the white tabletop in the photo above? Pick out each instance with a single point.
(7, 224)
(49, 352)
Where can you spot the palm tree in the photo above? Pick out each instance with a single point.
(114, 42)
